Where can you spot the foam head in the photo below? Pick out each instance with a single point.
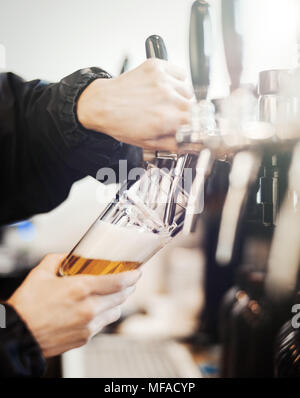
(116, 243)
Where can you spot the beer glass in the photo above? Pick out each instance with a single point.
(132, 228)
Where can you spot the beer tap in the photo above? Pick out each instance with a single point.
(285, 249)
(196, 194)
(278, 106)
(200, 75)
(155, 48)
(203, 122)
(271, 108)
(243, 173)
(200, 51)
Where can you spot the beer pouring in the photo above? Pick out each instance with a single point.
(142, 218)
(129, 231)
(151, 211)
(159, 205)
(155, 48)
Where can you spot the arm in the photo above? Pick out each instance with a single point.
(44, 148)
(54, 134)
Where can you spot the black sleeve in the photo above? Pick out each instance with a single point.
(20, 354)
(43, 148)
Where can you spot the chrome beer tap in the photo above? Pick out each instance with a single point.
(243, 173)
(203, 116)
(271, 106)
(155, 48)
(284, 259)
(200, 74)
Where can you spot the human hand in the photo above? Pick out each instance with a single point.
(65, 312)
(142, 107)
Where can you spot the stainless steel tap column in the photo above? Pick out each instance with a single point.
(200, 46)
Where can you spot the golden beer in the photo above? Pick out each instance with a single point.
(73, 265)
(110, 249)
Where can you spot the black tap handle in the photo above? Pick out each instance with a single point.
(155, 48)
(200, 48)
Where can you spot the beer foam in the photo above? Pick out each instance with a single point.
(115, 243)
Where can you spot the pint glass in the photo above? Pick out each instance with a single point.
(131, 229)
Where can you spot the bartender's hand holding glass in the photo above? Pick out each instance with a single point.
(142, 107)
(64, 313)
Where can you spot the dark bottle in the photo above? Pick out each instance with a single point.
(242, 319)
(235, 295)
(287, 356)
(251, 333)
(217, 280)
(249, 325)
(249, 287)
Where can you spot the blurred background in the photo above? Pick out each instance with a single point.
(51, 39)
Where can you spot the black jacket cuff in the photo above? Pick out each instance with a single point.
(70, 89)
(20, 354)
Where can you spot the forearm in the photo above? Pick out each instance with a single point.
(44, 149)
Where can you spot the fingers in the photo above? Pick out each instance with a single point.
(182, 88)
(103, 284)
(161, 65)
(174, 74)
(104, 319)
(182, 105)
(108, 284)
(163, 144)
(101, 303)
(175, 71)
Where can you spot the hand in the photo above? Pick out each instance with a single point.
(142, 107)
(65, 312)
